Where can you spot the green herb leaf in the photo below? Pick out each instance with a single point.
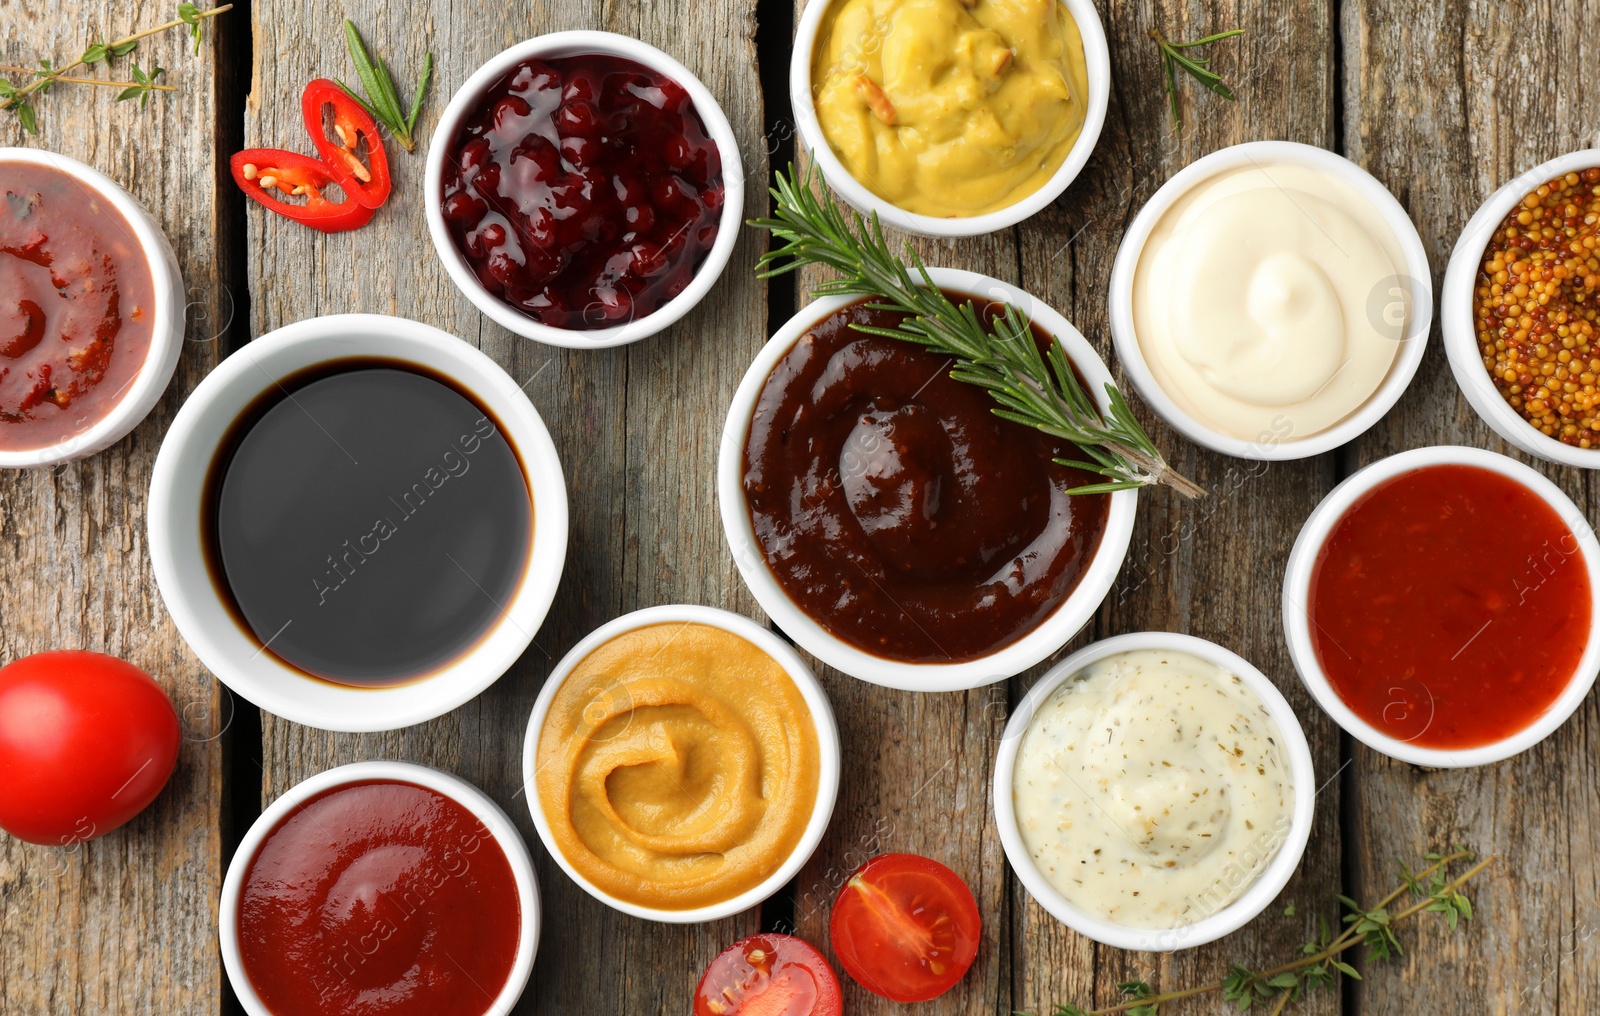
(1173, 57)
(381, 101)
(189, 14)
(131, 92)
(124, 48)
(95, 53)
(30, 122)
(422, 89)
(998, 353)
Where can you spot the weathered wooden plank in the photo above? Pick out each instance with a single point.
(125, 923)
(918, 767)
(1212, 567)
(637, 430)
(1444, 103)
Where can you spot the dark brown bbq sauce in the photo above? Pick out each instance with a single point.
(898, 511)
(366, 521)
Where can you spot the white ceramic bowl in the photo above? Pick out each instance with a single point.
(802, 99)
(1268, 883)
(178, 553)
(1456, 316)
(1050, 635)
(563, 44)
(1296, 597)
(1418, 280)
(166, 333)
(453, 787)
(799, 673)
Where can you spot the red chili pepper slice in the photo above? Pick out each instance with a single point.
(262, 172)
(368, 183)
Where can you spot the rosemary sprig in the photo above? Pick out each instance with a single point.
(15, 97)
(1173, 57)
(1035, 389)
(382, 101)
(1319, 965)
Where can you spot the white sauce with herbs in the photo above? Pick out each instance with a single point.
(1152, 788)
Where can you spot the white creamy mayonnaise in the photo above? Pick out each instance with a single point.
(1152, 788)
(1268, 301)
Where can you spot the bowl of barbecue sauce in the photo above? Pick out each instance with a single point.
(890, 523)
(358, 522)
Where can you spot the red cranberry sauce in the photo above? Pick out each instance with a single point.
(584, 191)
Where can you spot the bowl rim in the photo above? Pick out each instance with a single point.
(1047, 637)
(1297, 583)
(1271, 447)
(1455, 315)
(1267, 885)
(230, 652)
(166, 329)
(454, 787)
(572, 43)
(1097, 54)
(822, 718)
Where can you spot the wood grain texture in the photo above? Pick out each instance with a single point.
(124, 923)
(637, 430)
(1213, 567)
(1444, 103)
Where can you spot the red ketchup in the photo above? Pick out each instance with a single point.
(1450, 607)
(584, 191)
(379, 898)
(77, 306)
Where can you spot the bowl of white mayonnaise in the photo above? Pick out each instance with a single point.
(1271, 301)
(1154, 791)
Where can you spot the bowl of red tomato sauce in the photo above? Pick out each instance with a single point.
(584, 189)
(380, 887)
(91, 310)
(1440, 606)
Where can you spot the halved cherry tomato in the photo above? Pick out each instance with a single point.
(768, 975)
(368, 183)
(905, 927)
(259, 171)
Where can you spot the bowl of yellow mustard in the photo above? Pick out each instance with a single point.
(950, 117)
(681, 763)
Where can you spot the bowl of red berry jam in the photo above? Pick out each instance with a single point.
(584, 189)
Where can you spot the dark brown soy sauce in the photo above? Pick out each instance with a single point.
(367, 521)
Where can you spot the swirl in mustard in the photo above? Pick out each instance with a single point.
(678, 766)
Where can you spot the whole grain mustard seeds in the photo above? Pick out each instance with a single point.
(1536, 307)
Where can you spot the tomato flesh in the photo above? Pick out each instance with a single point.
(905, 927)
(768, 975)
(263, 173)
(87, 741)
(368, 183)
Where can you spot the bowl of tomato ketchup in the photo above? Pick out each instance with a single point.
(91, 310)
(380, 887)
(1440, 606)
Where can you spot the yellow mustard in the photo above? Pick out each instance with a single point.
(950, 108)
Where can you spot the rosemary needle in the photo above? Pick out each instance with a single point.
(1173, 57)
(1034, 388)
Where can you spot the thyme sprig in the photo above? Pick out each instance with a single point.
(1036, 389)
(1434, 890)
(1173, 57)
(382, 102)
(16, 98)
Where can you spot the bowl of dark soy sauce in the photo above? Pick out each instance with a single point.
(358, 522)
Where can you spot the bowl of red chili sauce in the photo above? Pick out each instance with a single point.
(1440, 606)
(91, 310)
(380, 887)
(584, 189)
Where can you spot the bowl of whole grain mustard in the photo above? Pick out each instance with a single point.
(945, 118)
(1520, 311)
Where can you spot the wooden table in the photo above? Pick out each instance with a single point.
(1442, 101)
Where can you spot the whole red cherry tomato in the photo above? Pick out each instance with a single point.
(768, 975)
(87, 741)
(905, 927)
